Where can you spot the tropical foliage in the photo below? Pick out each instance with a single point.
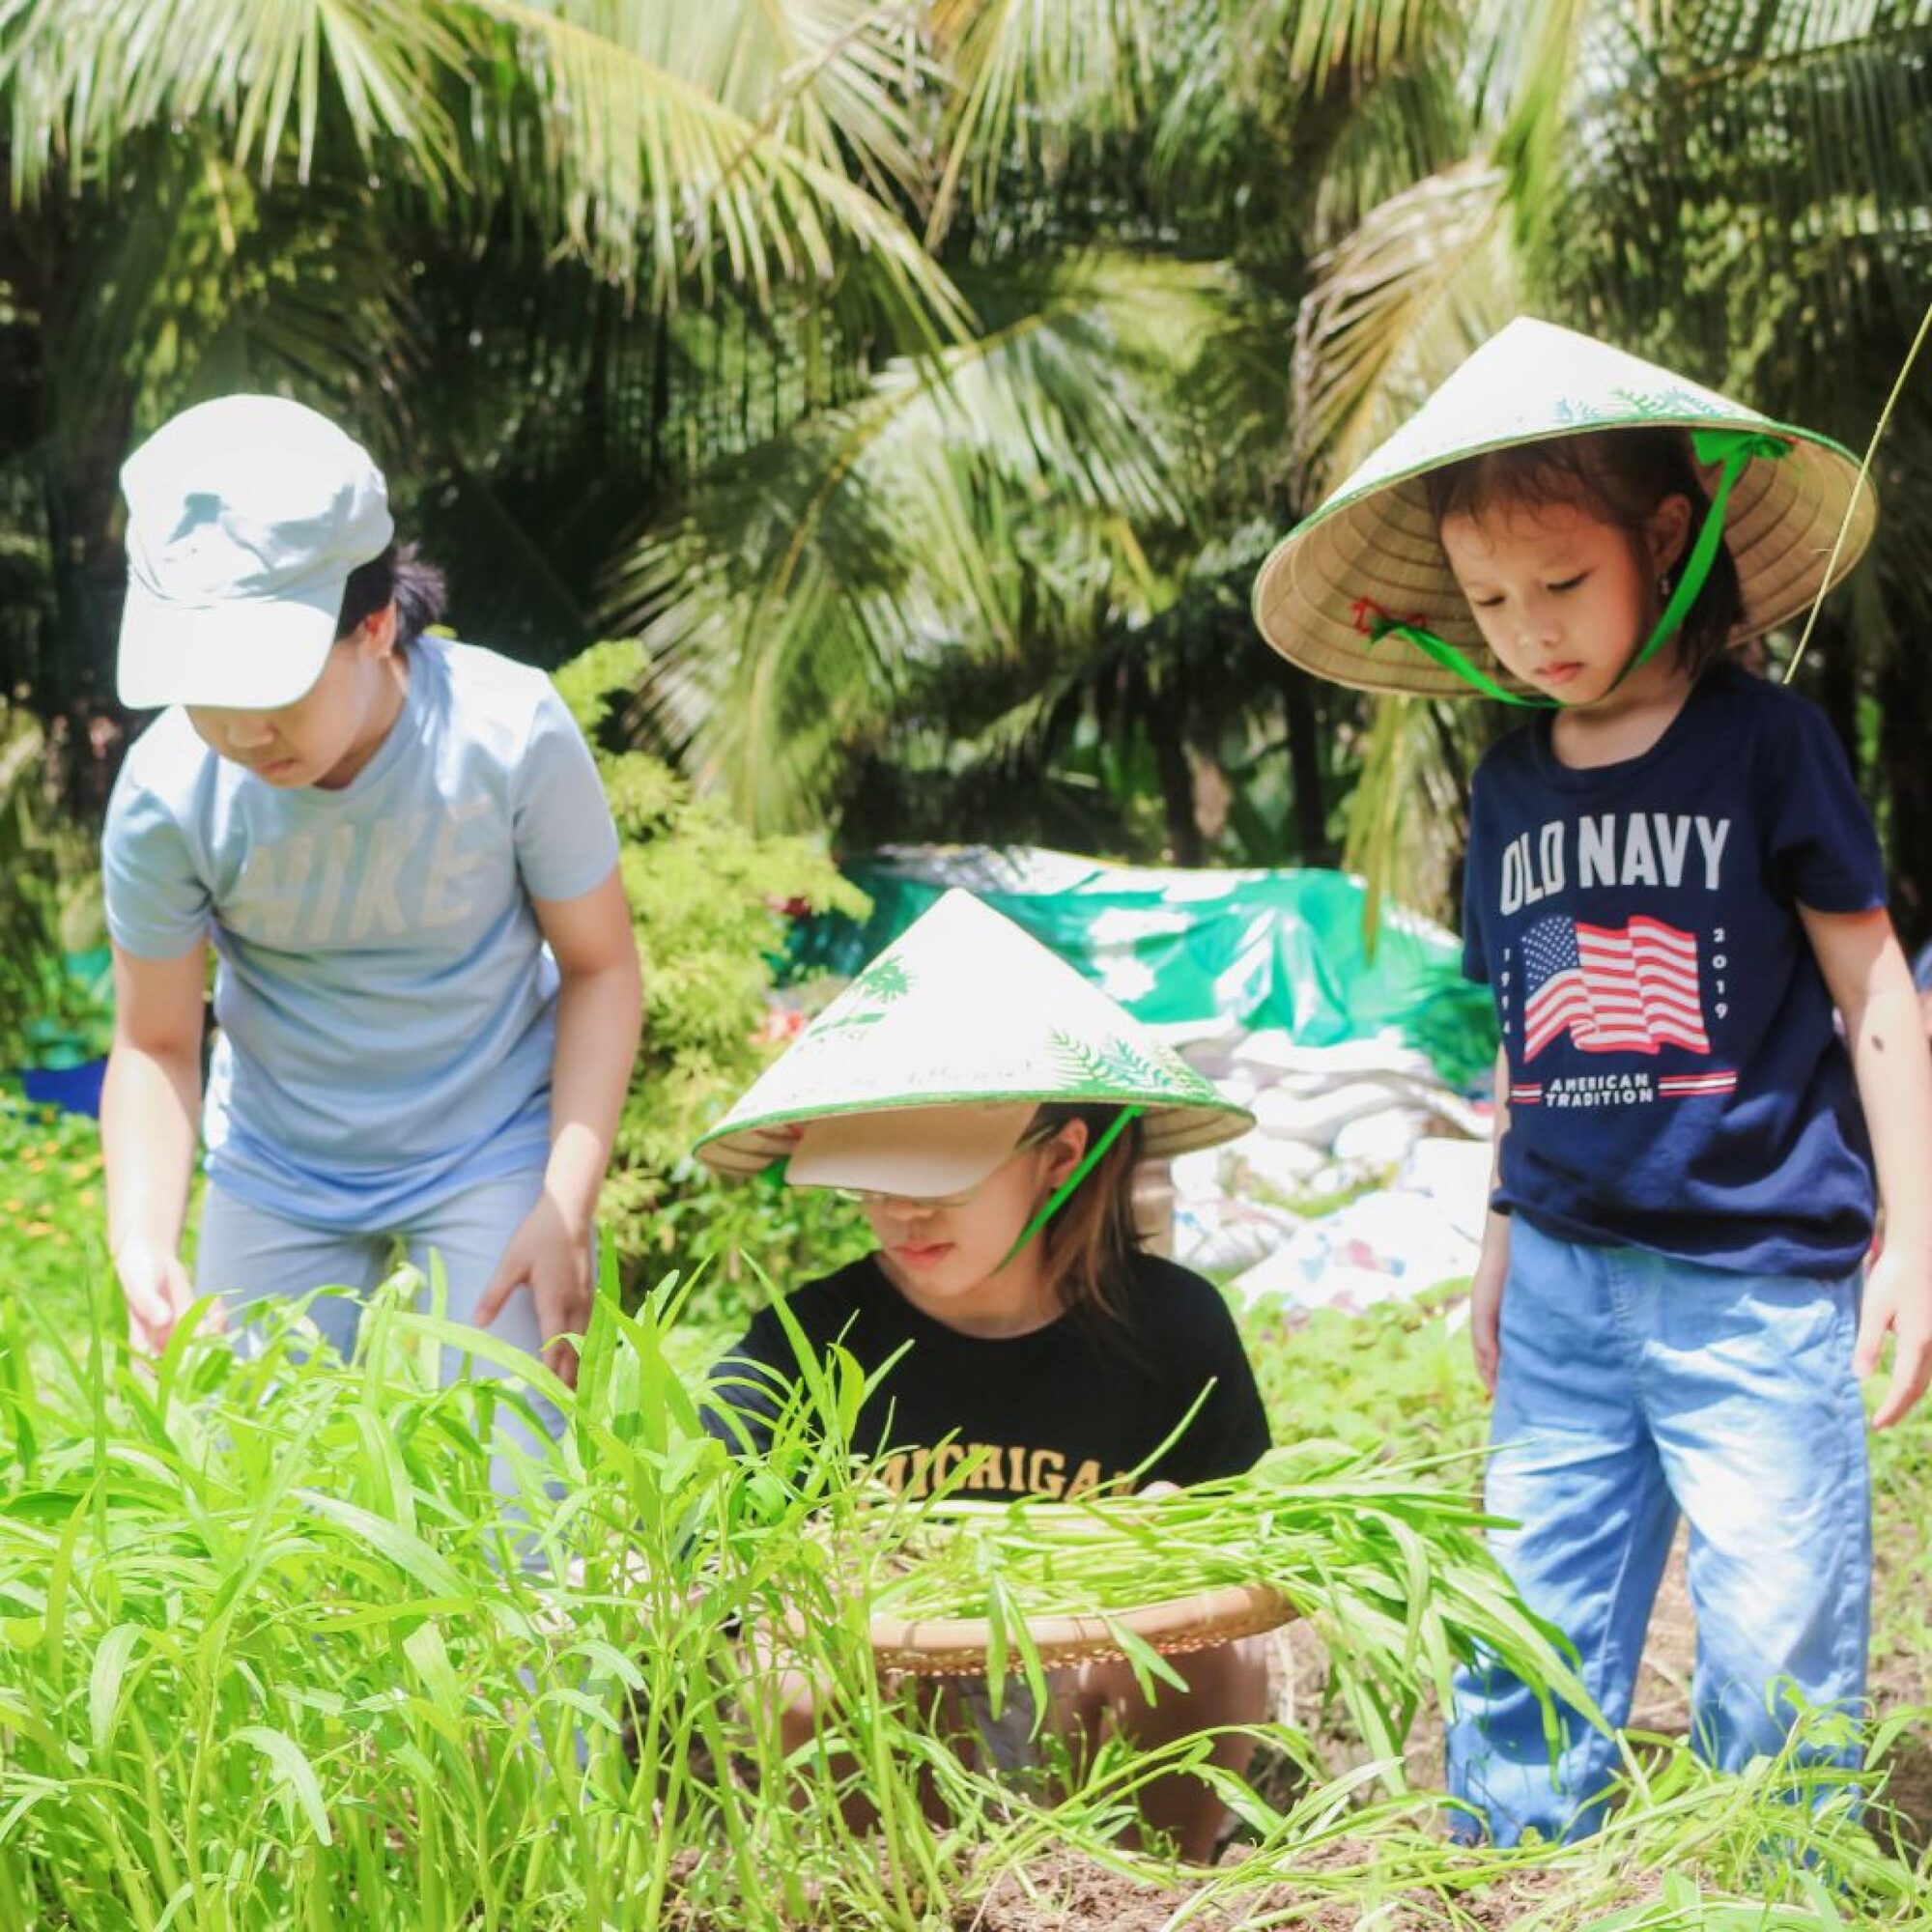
(50, 909)
(915, 385)
(920, 383)
(709, 902)
(303, 195)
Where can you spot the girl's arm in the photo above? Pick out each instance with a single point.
(1486, 1290)
(599, 1015)
(149, 1107)
(1860, 957)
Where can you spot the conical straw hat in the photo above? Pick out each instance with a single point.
(966, 1009)
(1372, 547)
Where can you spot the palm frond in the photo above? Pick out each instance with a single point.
(1280, 126)
(78, 80)
(978, 508)
(1350, 42)
(1418, 285)
(1034, 78)
(198, 281)
(1313, 46)
(646, 159)
(1201, 99)
(1407, 815)
(683, 145)
(1191, 658)
(1524, 69)
(1413, 124)
(841, 79)
(1719, 160)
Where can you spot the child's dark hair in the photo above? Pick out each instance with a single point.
(1088, 1244)
(416, 586)
(1621, 475)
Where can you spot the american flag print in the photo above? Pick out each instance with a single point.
(1612, 989)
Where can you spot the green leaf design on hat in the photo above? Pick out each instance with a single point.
(1108, 1064)
(883, 981)
(1671, 403)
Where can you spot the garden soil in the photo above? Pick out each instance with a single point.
(1072, 1894)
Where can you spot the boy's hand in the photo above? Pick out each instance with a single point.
(159, 1293)
(1486, 1314)
(1898, 1297)
(550, 1256)
(1486, 1298)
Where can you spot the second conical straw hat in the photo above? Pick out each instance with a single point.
(965, 1008)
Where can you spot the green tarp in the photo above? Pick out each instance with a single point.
(1268, 948)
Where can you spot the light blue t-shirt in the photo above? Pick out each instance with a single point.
(388, 1008)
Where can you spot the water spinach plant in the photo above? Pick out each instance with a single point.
(278, 1653)
(273, 1651)
(289, 1642)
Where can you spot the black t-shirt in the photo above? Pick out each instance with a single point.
(1068, 1408)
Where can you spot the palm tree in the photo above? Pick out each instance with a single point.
(673, 147)
(1737, 186)
(819, 609)
(295, 193)
(915, 377)
(968, 518)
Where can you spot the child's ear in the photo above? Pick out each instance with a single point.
(1067, 1146)
(375, 637)
(1668, 530)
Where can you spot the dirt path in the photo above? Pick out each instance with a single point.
(1072, 1894)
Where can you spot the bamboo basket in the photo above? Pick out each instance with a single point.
(957, 1646)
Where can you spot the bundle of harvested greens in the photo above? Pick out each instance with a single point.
(1385, 1559)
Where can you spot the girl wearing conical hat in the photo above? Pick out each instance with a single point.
(988, 1106)
(1671, 882)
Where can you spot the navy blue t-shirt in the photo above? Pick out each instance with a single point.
(1675, 1079)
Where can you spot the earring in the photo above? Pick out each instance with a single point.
(1663, 586)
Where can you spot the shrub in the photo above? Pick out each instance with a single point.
(709, 900)
(48, 869)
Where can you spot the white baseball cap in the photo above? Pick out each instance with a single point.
(245, 515)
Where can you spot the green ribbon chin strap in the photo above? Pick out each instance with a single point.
(1088, 1162)
(1733, 448)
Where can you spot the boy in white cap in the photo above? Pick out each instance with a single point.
(427, 983)
(1671, 881)
(988, 1106)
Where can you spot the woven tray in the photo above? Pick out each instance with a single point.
(956, 1646)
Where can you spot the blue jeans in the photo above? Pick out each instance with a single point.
(1632, 1386)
